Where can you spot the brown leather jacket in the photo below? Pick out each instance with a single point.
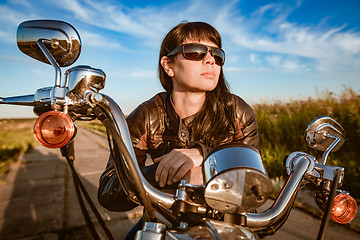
(156, 129)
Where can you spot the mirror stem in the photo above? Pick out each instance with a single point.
(56, 66)
(326, 153)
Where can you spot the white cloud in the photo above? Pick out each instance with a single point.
(281, 63)
(274, 60)
(10, 19)
(40, 72)
(97, 40)
(149, 23)
(239, 69)
(265, 31)
(139, 22)
(143, 74)
(6, 36)
(253, 58)
(133, 74)
(292, 66)
(332, 49)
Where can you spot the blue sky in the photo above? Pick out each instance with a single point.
(275, 50)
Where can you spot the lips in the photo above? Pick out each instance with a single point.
(209, 74)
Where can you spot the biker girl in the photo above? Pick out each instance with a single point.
(178, 127)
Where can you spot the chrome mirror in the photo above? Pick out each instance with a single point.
(60, 40)
(325, 134)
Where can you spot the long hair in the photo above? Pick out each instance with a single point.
(215, 121)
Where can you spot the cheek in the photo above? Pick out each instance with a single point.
(217, 72)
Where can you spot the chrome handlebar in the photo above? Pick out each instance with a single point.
(25, 100)
(298, 165)
(118, 119)
(285, 197)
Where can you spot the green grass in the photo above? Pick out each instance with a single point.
(92, 125)
(16, 137)
(282, 126)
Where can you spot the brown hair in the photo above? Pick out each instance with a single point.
(216, 119)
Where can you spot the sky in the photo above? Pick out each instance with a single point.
(275, 50)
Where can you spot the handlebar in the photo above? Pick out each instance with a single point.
(298, 165)
(271, 216)
(118, 121)
(25, 100)
(284, 200)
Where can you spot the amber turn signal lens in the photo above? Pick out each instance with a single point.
(54, 129)
(344, 208)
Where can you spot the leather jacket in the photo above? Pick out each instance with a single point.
(155, 130)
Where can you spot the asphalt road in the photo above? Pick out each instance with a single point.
(38, 200)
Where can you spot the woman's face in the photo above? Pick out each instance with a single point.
(195, 76)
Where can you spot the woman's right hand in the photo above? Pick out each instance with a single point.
(174, 165)
(194, 176)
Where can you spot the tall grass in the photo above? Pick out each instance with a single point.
(16, 137)
(282, 126)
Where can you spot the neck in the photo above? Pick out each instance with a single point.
(186, 103)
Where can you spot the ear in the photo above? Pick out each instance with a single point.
(166, 63)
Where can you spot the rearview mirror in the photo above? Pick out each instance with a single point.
(322, 132)
(60, 39)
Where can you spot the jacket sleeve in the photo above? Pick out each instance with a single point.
(111, 195)
(246, 128)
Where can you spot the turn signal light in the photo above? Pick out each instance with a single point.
(54, 129)
(344, 208)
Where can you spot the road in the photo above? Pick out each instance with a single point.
(38, 201)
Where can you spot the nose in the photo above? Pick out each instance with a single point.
(209, 59)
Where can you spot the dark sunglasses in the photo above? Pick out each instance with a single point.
(197, 52)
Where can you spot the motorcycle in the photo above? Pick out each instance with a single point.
(235, 185)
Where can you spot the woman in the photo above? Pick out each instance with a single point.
(177, 128)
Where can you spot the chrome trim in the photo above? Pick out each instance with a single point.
(212, 229)
(43, 94)
(330, 148)
(25, 100)
(52, 61)
(327, 172)
(232, 156)
(293, 158)
(155, 227)
(283, 201)
(60, 39)
(319, 130)
(82, 79)
(113, 110)
(235, 179)
(51, 95)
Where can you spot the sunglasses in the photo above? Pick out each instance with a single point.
(197, 52)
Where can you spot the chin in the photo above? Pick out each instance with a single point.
(209, 88)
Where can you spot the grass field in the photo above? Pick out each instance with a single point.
(282, 126)
(16, 137)
(281, 129)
